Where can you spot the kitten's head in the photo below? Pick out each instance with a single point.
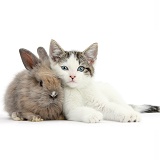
(73, 67)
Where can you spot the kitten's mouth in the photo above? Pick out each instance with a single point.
(71, 82)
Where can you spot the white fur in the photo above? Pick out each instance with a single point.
(90, 101)
(53, 94)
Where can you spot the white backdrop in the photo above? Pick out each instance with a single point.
(127, 31)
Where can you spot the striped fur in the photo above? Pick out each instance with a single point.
(146, 108)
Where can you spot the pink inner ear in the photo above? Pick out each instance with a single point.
(28, 60)
(91, 62)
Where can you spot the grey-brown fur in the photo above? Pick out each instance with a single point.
(25, 98)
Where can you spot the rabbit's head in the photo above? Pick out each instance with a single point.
(43, 85)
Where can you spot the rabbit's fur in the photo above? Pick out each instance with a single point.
(35, 94)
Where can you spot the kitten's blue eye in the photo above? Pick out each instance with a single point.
(64, 68)
(80, 68)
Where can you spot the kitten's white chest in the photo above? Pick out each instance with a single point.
(72, 96)
(88, 95)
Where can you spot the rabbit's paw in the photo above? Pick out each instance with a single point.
(36, 119)
(15, 116)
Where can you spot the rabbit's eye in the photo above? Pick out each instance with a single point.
(41, 83)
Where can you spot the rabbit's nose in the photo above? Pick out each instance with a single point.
(53, 94)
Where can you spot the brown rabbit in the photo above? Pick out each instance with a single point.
(35, 94)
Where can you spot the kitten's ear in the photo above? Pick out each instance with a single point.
(91, 53)
(55, 51)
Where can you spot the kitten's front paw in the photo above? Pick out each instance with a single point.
(130, 117)
(93, 117)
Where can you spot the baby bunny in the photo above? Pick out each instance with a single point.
(35, 94)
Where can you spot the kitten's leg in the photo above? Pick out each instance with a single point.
(112, 95)
(30, 116)
(116, 112)
(84, 114)
(112, 110)
(75, 110)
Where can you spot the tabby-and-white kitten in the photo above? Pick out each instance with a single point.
(87, 100)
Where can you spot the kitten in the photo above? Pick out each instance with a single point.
(87, 100)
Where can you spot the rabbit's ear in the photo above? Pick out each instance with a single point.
(29, 59)
(42, 53)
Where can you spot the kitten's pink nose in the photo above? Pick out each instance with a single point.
(72, 77)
